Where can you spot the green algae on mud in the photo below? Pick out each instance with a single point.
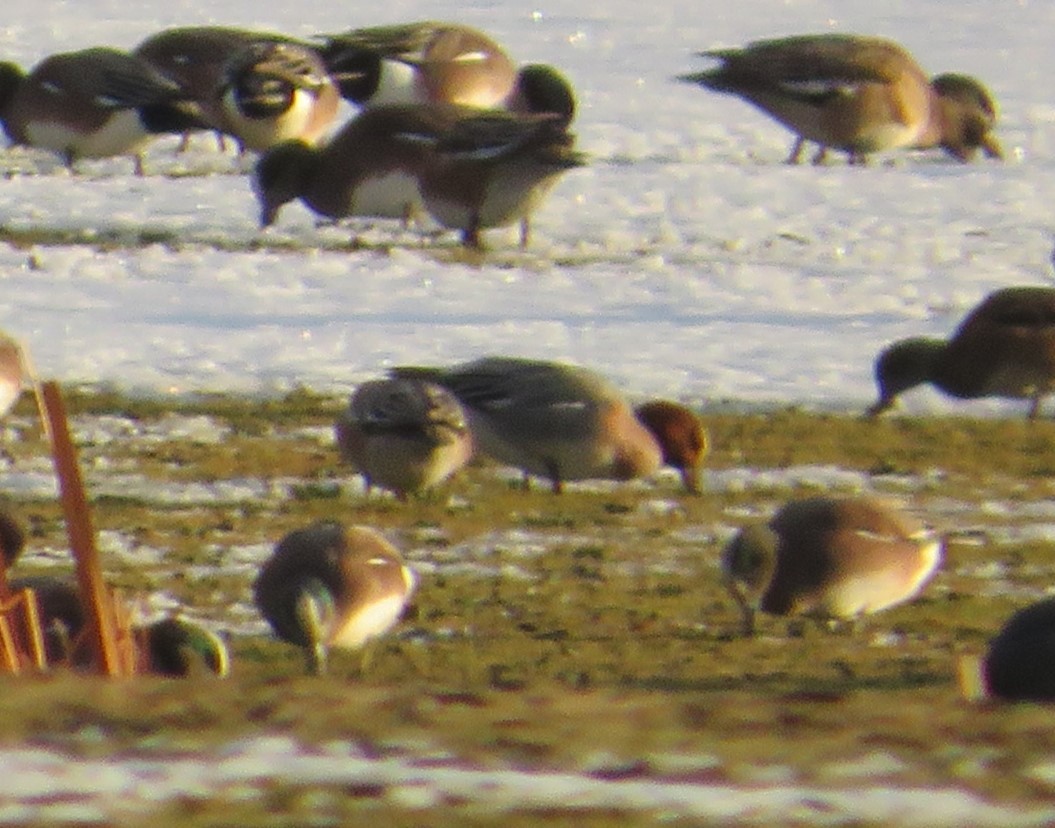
(548, 631)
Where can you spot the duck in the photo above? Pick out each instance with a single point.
(196, 58)
(493, 169)
(964, 115)
(1005, 347)
(834, 557)
(421, 62)
(550, 419)
(173, 646)
(436, 62)
(405, 435)
(276, 91)
(368, 168)
(681, 436)
(854, 93)
(94, 103)
(326, 586)
(1018, 664)
(177, 647)
(439, 62)
(468, 169)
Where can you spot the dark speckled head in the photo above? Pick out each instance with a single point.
(542, 89)
(902, 366)
(279, 177)
(179, 648)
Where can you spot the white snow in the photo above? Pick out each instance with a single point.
(686, 260)
(49, 786)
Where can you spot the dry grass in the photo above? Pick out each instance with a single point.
(614, 638)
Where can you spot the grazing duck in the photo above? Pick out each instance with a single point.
(369, 168)
(173, 646)
(196, 58)
(833, 557)
(94, 103)
(681, 435)
(469, 169)
(855, 94)
(272, 92)
(1019, 664)
(492, 169)
(963, 116)
(423, 62)
(326, 586)
(430, 62)
(403, 434)
(1005, 347)
(550, 419)
(179, 648)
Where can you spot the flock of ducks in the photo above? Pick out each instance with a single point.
(449, 126)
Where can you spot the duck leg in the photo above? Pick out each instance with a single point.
(795, 156)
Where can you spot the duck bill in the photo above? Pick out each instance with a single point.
(317, 659)
(268, 214)
(880, 406)
(992, 149)
(747, 610)
(690, 477)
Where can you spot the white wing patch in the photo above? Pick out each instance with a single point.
(816, 88)
(471, 57)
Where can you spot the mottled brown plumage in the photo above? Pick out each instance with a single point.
(405, 435)
(833, 557)
(1005, 347)
(854, 93)
(325, 586)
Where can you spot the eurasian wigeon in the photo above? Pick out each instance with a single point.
(172, 646)
(853, 93)
(196, 57)
(550, 419)
(470, 169)
(13, 372)
(422, 62)
(837, 558)
(367, 169)
(272, 92)
(94, 103)
(431, 62)
(405, 435)
(1005, 347)
(492, 169)
(326, 586)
